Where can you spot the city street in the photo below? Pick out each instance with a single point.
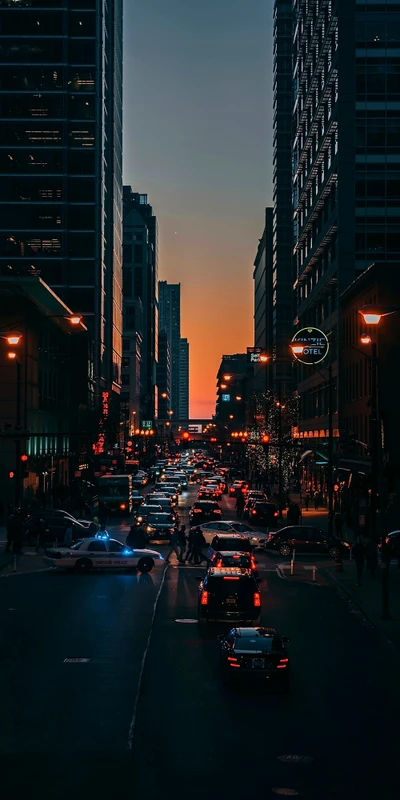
(148, 712)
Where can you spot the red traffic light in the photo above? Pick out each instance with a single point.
(24, 458)
(266, 438)
(11, 474)
(212, 439)
(185, 435)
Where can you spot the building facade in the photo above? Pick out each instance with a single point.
(183, 379)
(345, 167)
(164, 377)
(263, 327)
(61, 160)
(233, 392)
(169, 297)
(280, 368)
(140, 317)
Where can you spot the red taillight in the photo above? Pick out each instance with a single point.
(204, 599)
(235, 665)
(275, 513)
(236, 556)
(197, 511)
(281, 666)
(231, 579)
(254, 511)
(216, 510)
(283, 660)
(219, 563)
(231, 658)
(252, 562)
(257, 599)
(387, 540)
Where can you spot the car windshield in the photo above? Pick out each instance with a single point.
(153, 519)
(265, 643)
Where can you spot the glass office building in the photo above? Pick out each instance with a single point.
(61, 159)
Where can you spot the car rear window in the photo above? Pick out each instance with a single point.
(265, 643)
(264, 506)
(240, 545)
(234, 561)
(206, 506)
(226, 587)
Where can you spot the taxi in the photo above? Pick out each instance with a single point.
(101, 552)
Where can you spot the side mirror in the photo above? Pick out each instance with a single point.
(285, 639)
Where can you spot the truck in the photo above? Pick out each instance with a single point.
(115, 492)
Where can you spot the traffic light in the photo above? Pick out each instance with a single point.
(11, 474)
(24, 458)
(266, 438)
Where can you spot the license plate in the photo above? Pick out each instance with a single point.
(258, 663)
(231, 601)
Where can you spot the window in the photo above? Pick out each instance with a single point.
(115, 547)
(97, 547)
(128, 254)
(127, 282)
(130, 317)
(138, 288)
(81, 273)
(138, 253)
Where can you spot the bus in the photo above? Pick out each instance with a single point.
(115, 491)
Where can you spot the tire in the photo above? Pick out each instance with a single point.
(145, 564)
(284, 550)
(83, 565)
(334, 552)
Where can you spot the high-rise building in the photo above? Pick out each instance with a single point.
(183, 379)
(164, 376)
(233, 390)
(346, 163)
(169, 299)
(140, 292)
(280, 368)
(61, 160)
(263, 318)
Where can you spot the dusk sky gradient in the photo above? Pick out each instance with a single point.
(198, 141)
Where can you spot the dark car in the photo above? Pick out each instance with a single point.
(234, 558)
(235, 542)
(144, 511)
(263, 513)
(137, 498)
(253, 496)
(392, 542)
(228, 593)
(208, 494)
(306, 539)
(256, 654)
(56, 521)
(160, 526)
(203, 510)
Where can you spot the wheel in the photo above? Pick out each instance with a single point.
(284, 550)
(83, 565)
(334, 552)
(145, 564)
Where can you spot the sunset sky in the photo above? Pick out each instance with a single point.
(197, 139)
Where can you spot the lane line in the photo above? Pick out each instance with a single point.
(132, 726)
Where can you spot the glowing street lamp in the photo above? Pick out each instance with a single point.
(227, 377)
(12, 356)
(365, 339)
(372, 315)
(75, 319)
(264, 359)
(297, 349)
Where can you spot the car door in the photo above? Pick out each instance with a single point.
(98, 554)
(120, 554)
(318, 542)
(298, 538)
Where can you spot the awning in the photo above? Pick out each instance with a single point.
(319, 458)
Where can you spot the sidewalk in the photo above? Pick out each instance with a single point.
(368, 598)
(29, 561)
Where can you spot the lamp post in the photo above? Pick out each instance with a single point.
(372, 315)
(13, 339)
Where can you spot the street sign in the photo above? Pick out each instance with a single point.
(313, 346)
(253, 354)
(147, 425)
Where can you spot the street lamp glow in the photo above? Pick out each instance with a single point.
(222, 386)
(227, 377)
(297, 349)
(12, 356)
(264, 358)
(164, 395)
(365, 339)
(14, 338)
(372, 319)
(238, 397)
(75, 319)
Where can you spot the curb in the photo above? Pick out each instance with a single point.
(364, 612)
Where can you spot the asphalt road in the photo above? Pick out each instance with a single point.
(66, 729)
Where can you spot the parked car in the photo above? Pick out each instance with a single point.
(57, 521)
(306, 539)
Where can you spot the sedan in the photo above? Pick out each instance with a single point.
(208, 494)
(256, 654)
(101, 552)
(160, 526)
(236, 487)
(306, 539)
(204, 509)
(210, 529)
(264, 513)
(137, 498)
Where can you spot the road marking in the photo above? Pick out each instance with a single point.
(187, 621)
(76, 660)
(132, 726)
(279, 572)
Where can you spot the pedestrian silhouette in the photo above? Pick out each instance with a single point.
(358, 551)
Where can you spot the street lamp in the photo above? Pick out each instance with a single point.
(227, 377)
(372, 315)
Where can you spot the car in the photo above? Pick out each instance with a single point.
(166, 504)
(264, 513)
(169, 491)
(160, 526)
(183, 479)
(237, 542)
(306, 539)
(208, 494)
(251, 497)
(227, 526)
(236, 487)
(139, 480)
(234, 558)
(57, 521)
(137, 498)
(392, 541)
(101, 552)
(144, 511)
(228, 593)
(204, 509)
(255, 653)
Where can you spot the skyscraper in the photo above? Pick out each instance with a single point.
(140, 289)
(346, 163)
(263, 309)
(169, 299)
(61, 160)
(280, 368)
(183, 379)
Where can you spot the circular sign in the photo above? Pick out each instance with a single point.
(310, 346)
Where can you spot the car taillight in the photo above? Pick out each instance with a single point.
(231, 658)
(254, 511)
(122, 506)
(387, 540)
(230, 579)
(275, 513)
(253, 563)
(270, 536)
(216, 510)
(204, 599)
(283, 662)
(257, 599)
(197, 511)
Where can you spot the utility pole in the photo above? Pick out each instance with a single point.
(330, 453)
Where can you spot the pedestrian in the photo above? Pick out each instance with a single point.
(199, 543)
(68, 536)
(190, 544)
(93, 528)
(240, 504)
(358, 551)
(182, 541)
(316, 500)
(338, 523)
(307, 500)
(40, 532)
(10, 532)
(137, 538)
(371, 557)
(174, 546)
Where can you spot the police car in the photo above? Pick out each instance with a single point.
(101, 552)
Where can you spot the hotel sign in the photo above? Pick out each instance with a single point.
(310, 346)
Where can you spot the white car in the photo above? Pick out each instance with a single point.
(101, 552)
(232, 526)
